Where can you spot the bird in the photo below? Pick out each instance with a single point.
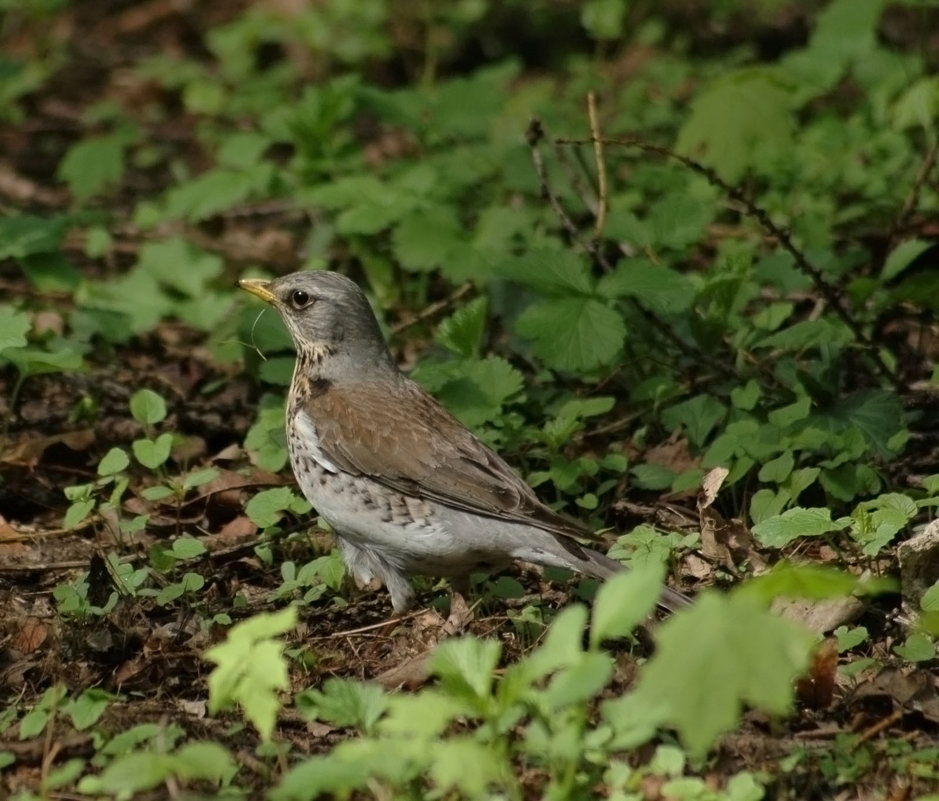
(406, 487)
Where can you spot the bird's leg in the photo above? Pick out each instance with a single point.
(461, 614)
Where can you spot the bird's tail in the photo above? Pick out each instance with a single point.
(600, 566)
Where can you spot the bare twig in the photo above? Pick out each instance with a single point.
(735, 193)
(912, 199)
(434, 308)
(535, 135)
(601, 164)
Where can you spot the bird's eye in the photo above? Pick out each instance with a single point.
(299, 298)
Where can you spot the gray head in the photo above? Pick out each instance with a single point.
(330, 320)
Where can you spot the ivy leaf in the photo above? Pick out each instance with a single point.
(575, 333)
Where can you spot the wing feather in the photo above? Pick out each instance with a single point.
(426, 453)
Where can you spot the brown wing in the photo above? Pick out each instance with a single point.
(424, 452)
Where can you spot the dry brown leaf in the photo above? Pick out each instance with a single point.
(31, 635)
(28, 451)
(817, 688)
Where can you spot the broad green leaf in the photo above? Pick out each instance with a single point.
(77, 512)
(130, 774)
(739, 119)
(462, 332)
(206, 760)
(86, 709)
(917, 648)
(147, 407)
(902, 256)
(624, 601)
(465, 667)
(344, 703)
(812, 582)
(552, 272)
(743, 654)
(573, 334)
(267, 507)
(26, 235)
(94, 163)
(188, 548)
(251, 668)
(113, 462)
(657, 288)
(603, 19)
(425, 239)
(13, 327)
(178, 264)
(152, 453)
(468, 765)
(699, 415)
(779, 531)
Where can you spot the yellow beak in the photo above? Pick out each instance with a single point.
(258, 287)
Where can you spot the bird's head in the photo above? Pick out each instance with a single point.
(329, 319)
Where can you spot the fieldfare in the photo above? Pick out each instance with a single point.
(405, 486)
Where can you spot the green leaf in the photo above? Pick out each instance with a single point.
(344, 703)
(462, 332)
(812, 582)
(13, 327)
(94, 163)
(779, 531)
(147, 407)
(77, 512)
(208, 760)
(743, 654)
(573, 334)
(624, 601)
(699, 416)
(251, 668)
(267, 507)
(930, 599)
(188, 548)
(657, 288)
(129, 774)
(738, 120)
(26, 235)
(152, 453)
(917, 648)
(199, 477)
(113, 462)
(424, 240)
(178, 264)
(88, 707)
(551, 272)
(465, 667)
(603, 19)
(902, 256)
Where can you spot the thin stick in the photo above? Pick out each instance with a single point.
(601, 165)
(434, 308)
(781, 234)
